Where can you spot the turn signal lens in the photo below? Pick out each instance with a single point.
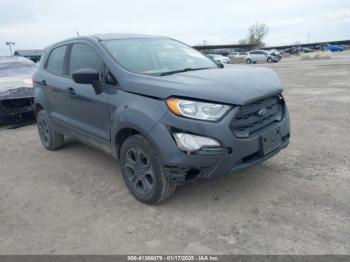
(197, 109)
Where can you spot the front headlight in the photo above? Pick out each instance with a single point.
(196, 109)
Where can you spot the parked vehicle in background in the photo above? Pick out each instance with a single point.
(293, 50)
(16, 90)
(168, 113)
(260, 56)
(232, 55)
(277, 54)
(345, 47)
(219, 58)
(332, 48)
(33, 54)
(239, 58)
(307, 50)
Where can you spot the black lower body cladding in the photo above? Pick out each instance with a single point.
(259, 138)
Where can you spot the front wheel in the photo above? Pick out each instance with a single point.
(143, 173)
(248, 61)
(269, 60)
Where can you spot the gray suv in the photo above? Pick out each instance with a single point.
(169, 114)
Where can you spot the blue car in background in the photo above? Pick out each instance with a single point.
(332, 48)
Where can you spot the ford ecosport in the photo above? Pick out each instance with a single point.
(168, 113)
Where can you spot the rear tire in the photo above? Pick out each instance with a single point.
(143, 173)
(49, 138)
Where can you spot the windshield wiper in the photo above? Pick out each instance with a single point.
(184, 70)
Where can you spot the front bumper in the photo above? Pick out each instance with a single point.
(16, 106)
(236, 154)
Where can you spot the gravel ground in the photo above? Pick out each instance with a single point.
(74, 201)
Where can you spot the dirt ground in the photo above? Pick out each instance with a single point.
(74, 201)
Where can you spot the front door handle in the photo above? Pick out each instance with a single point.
(71, 91)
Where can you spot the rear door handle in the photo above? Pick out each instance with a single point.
(43, 82)
(71, 91)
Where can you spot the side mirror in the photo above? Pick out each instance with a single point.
(220, 65)
(85, 76)
(88, 76)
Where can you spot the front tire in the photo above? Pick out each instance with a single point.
(143, 173)
(248, 61)
(269, 60)
(49, 138)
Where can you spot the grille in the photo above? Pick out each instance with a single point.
(256, 115)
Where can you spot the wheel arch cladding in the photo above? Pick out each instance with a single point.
(131, 122)
(121, 136)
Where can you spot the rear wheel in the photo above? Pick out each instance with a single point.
(143, 173)
(49, 138)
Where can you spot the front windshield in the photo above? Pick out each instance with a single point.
(156, 56)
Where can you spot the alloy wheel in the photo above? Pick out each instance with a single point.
(44, 132)
(139, 171)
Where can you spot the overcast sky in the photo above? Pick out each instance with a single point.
(35, 24)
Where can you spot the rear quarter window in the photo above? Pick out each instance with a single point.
(55, 63)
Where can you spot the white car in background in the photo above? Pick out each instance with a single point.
(232, 55)
(219, 58)
(239, 57)
(257, 56)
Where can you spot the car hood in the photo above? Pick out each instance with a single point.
(16, 73)
(231, 85)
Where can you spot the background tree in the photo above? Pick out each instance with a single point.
(256, 34)
(242, 42)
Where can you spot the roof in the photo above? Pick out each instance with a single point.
(29, 52)
(123, 36)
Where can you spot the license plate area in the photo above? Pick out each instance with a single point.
(270, 141)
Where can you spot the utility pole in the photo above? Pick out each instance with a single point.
(77, 33)
(9, 44)
(308, 37)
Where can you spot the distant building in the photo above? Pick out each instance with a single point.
(224, 49)
(34, 54)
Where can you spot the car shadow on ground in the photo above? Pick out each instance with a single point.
(231, 187)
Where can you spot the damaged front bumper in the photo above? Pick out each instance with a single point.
(16, 106)
(238, 150)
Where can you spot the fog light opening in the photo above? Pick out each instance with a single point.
(191, 174)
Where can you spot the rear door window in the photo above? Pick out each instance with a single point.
(55, 63)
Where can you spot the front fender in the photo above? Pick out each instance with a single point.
(129, 114)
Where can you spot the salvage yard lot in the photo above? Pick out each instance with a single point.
(74, 200)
